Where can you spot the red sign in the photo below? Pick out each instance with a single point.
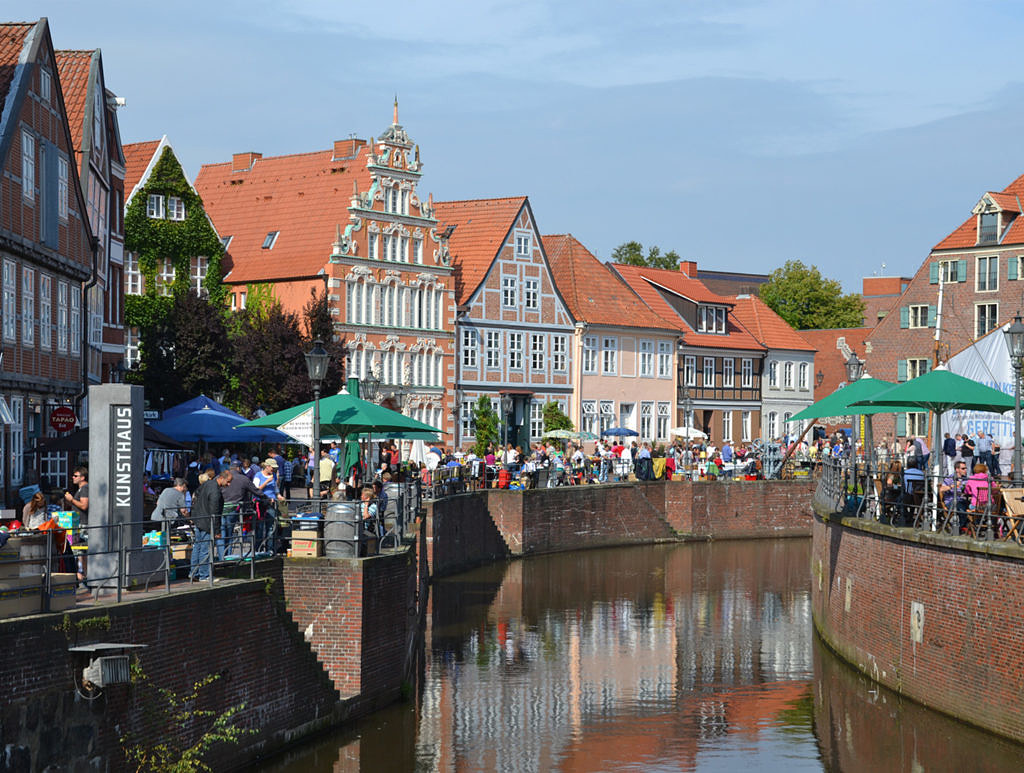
(63, 419)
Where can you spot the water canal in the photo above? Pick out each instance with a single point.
(694, 657)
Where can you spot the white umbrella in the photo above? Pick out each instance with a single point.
(687, 432)
(418, 452)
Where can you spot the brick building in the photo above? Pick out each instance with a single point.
(349, 218)
(46, 248)
(880, 294)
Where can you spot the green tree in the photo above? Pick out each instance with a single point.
(485, 425)
(807, 300)
(632, 254)
(554, 418)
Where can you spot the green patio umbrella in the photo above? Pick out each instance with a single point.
(840, 402)
(561, 434)
(343, 415)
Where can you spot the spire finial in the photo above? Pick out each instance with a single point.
(394, 119)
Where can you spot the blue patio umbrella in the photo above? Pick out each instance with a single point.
(207, 424)
(621, 432)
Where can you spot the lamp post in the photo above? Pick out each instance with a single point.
(506, 409)
(1015, 344)
(819, 377)
(369, 388)
(316, 364)
(854, 370)
(687, 408)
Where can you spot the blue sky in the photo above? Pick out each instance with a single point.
(740, 134)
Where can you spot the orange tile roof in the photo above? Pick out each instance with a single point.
(967, 234)
(12, 41)
(767, 326)
(74, 67)
(481, 226)
(1005, 201)
(137, 156)
(304, 197)
(593, 292)
(645, 281)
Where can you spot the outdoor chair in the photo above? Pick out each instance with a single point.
(1013, 500)
(978, 517)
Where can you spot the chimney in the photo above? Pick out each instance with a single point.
(689, 268)
(347, 148)
(242, 162)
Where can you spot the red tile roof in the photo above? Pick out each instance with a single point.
(767, 326)
(481, 226)
(304, 197)
(1005, 201)
(967, 234)
(137, 156)
(593, 292)
(645, 281)
(12, 41)
(74, 67)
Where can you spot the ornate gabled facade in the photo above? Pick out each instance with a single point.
(351, 219)
(514, 328)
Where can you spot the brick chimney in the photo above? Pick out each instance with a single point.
(689, 268)
(347, 148)
(242, 162)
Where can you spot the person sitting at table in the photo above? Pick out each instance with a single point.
(955, 495)
(980, 487)
(892, 489)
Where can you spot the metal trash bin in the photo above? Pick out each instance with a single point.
(340, 537)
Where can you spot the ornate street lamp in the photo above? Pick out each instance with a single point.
(1015, 344)
(687, 408)
(369, 388)
(316, 364)
(506, 409)
(818, 378)
(854, 367)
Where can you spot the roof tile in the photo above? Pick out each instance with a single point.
(137, 156)
(1009, 199)
(74, 67)
(12, 41)
(767, 326)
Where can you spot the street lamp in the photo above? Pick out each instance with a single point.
(506, 409)
(316, 364)
(854, 367)
(369, 388)
(818, 378)
(1015, 343)
(687, 408)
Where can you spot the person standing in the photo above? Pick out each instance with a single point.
(948, 453)
(239, 492)
(79, 502)
(207, 505)
(170, 505)
(265, 480)
(983, 448)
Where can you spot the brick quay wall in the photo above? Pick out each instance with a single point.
(932, 617)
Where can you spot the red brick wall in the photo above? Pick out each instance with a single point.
(459, 533)
(865, 587)
(740, 509)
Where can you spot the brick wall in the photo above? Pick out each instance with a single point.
(930, 616)
(740, 509)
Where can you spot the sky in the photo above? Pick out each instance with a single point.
(849, 134)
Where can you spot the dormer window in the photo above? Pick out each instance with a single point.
(268, 243)
(711, 319)
(988, 228)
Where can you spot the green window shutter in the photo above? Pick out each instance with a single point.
(933, 273)
(904, 316)
(901, 370)
(901, 424)
(932, 314)
(961, 270)
(1011, 267)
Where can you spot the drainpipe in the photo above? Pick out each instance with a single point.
(94, 243)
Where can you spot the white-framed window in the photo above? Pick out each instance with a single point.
(467, 424)
(404, 205)
(417, 250)
(371, 246)
(385, 247)
(515, 351)
(200, 265)
(919, 315)
(709, 372)
(916, 366)
(17, 440)
(746, 418)
(773, 375)
(403, 250)
(28, 307)
(10, 300)
(241, 299)
(531, 294)
(664, 359)
(772, 425)
(269, 240)
(175, 208)
(647, 420)
(607, 415)
(609, 356)
(664, 416)
(985, 318)
(987, 275)
(589, 354)
(28, 166)
(493, 349)
(804, 377)
(537, 352)
(438, 305)
(62, 188)
(44, 85)
(155, 206)
(711, 319)
(75, 321)
(728, 372)
(524, 244)
(626, 415)
(559, 352)
(509, 296)
(62, 316)
(588, 421)
(45, 312)
(165, 279)
(787, 375)
(917, 423)
(470, 344)
(536, 418)
(746, 373)
(647, 359)
(690, 370)
(727, 425)
(950, 271)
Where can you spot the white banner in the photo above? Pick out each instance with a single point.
(300, 428)
(986, 361)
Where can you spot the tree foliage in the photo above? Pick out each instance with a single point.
(554, 418)
(632, 254)
(485, 423)
(807, 300)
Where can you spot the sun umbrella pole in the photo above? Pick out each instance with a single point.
(936, 462)
(794, 446)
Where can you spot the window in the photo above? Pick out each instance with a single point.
(62, 314)
(728, 372)
(626, 414)
(607, 415)
(371, 246)
(44, 85)
(988, 227)
(664, 415)
(590, 354)
(709, 371)
(45, 312)
(985, 318)
(165, 279)
(28, 307)
(917, 423)
(470, 342)
(727, 425)
(75, 321)
(664, 360)
(772, 426)
(387, 250)
(953, 270)
(28, 166)
(515, 351)
(198, 274)
(746, 373)
(987, 276)
(690, 370)
(467, 419)
(10, 301)
(917, 367)
(589, 420)
(773, 375)
(523, 244)
(919, 316)
(62, 188)
(17, 440)
(646, 420)
(804, 380)
(155, 206)
(509, 297)
(175, 208)
(417, 250)
(493, 339)
(531, 298)
(559, 350)
(403, 250)
(711, 319)
(647, 359)
(746, 426)
(404, 205)
(536, 419)
(226, 241)
(787, 376)
(609, 356)
(241, 300)
(537, 353)
(269, 240)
